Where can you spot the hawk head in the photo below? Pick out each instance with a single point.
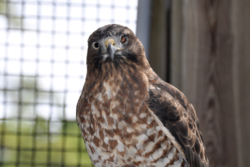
(113, 46)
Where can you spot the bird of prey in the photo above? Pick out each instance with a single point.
(130, 117)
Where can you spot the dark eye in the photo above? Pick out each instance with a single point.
(123, 39)
(96, 45)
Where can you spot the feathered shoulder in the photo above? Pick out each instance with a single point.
(174, 111)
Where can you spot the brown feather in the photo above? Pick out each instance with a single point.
(173, 109)
(128, 116)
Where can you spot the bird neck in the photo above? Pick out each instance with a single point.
(112, 80)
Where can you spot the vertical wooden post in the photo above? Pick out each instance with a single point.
(241, 77)
(158, 41)
(176, 43)
(216, 76)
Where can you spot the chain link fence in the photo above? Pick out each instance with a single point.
(42, 71)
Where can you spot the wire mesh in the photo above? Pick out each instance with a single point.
(42, 71)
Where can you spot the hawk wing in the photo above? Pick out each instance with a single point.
(175, 113)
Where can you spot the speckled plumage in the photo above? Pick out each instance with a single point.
(128, 116)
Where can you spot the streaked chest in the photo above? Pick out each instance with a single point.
(119, 130)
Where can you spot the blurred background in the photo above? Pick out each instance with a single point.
(201, 47)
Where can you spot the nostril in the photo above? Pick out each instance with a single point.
(109, 41)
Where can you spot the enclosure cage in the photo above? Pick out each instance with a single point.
(42, 71)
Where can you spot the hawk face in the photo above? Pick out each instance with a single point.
(114, 45)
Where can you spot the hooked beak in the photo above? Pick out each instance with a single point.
(111, 51)
(110, 45)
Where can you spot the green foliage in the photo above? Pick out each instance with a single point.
(27, 139)
(2, 6)
(34, 142)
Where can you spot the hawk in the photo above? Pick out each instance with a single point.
(127, 114)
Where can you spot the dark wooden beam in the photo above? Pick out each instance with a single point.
(158, 49)
(216, 76)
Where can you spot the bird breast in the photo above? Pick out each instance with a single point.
(119, 130)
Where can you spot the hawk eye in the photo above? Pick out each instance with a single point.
(96, 45)
(123, 39)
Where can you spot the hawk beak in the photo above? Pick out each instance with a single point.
(110, 43)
